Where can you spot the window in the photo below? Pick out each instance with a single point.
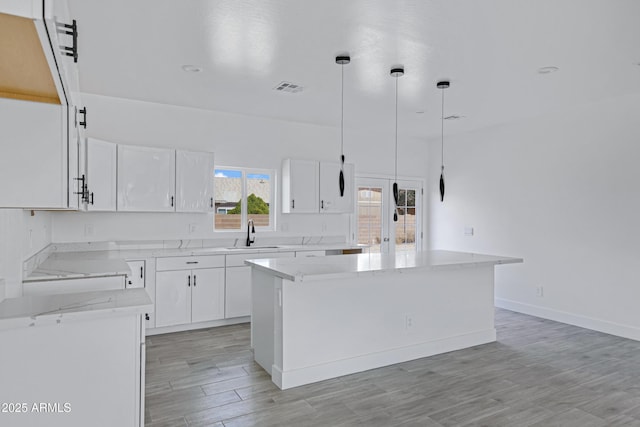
(241, 195)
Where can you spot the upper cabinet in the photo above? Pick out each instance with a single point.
(300, 180)
(309, 186)
(146, 179)
(39, 164)
(331, 201)
(101, 175)
(194, 181)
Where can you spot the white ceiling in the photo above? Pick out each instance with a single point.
(489, 49)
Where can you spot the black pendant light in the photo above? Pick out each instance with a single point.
(342, 60)
(396, 72)
(442, 85)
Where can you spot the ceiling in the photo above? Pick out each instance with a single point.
(491, 51)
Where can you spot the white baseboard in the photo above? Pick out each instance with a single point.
(337, 368)
(201, 325)
(624, 331)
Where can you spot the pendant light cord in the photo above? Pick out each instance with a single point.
(442, 134)
(396, 154)
(342, 116)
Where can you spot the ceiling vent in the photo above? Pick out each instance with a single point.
(288, 87)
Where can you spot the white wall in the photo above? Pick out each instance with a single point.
(236, 140)
(563, 192)
(21, 235)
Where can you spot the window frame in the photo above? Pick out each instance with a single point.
(243, 201)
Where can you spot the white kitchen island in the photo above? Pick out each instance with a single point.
(318, 318)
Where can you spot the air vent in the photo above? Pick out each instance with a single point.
(288, 87)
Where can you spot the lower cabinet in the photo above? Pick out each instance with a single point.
(189, 296)
(238, 282)
(238, 296)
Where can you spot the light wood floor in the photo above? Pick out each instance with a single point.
(539, 373)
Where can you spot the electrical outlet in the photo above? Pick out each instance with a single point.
(88, 230)
(539, 291)
(408, 321)
(468, 231)
(193, 228)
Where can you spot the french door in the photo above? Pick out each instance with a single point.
(375, 208)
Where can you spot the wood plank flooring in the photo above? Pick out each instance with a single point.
(539, 373)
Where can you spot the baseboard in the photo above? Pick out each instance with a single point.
(612, 328)
(333, 369)
(201, 325)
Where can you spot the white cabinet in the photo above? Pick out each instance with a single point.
(300, 180)
(34, 160)
(101, 175)
(189, 295)
(194, 181)
(238, 292)
(309, 186)
(146, 179)
(138, 279)
(330, 199)
(238, 282)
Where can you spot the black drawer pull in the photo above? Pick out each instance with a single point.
(192, 262)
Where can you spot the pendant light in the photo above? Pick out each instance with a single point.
(396, 72)
(342, 60)
(442, 85)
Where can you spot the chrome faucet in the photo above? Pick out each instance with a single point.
(251, 232)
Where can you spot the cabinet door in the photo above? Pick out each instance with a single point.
(101, 175)
(330, 199)
(300, 186)
(146, 179)
(34, 160)
(173, 298)
(207, 294)
(194, 181)
(56, 17)
(238, 292)
(136, 278)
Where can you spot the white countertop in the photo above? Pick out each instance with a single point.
(85, 264)
(323, 268)
(35, 310)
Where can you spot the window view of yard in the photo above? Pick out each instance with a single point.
(235, 189)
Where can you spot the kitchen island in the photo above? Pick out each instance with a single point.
(318, 318)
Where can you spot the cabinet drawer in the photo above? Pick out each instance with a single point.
(189, 262)
(237, 260)
(303, 254)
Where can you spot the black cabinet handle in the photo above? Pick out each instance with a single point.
(189, 280)
(141, 275)
(171, 201)
(130, 282)
(322, 204)
(293, 204)
(91, 200)
(192, 262)
(212, 202)
(146, 316)
(83, 111)
(194, 280)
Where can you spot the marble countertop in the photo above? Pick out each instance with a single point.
(86, 264)
(73, 268)
(323, 268)
(36, 310)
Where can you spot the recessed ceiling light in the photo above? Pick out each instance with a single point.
(191, 68)
(547, 70)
